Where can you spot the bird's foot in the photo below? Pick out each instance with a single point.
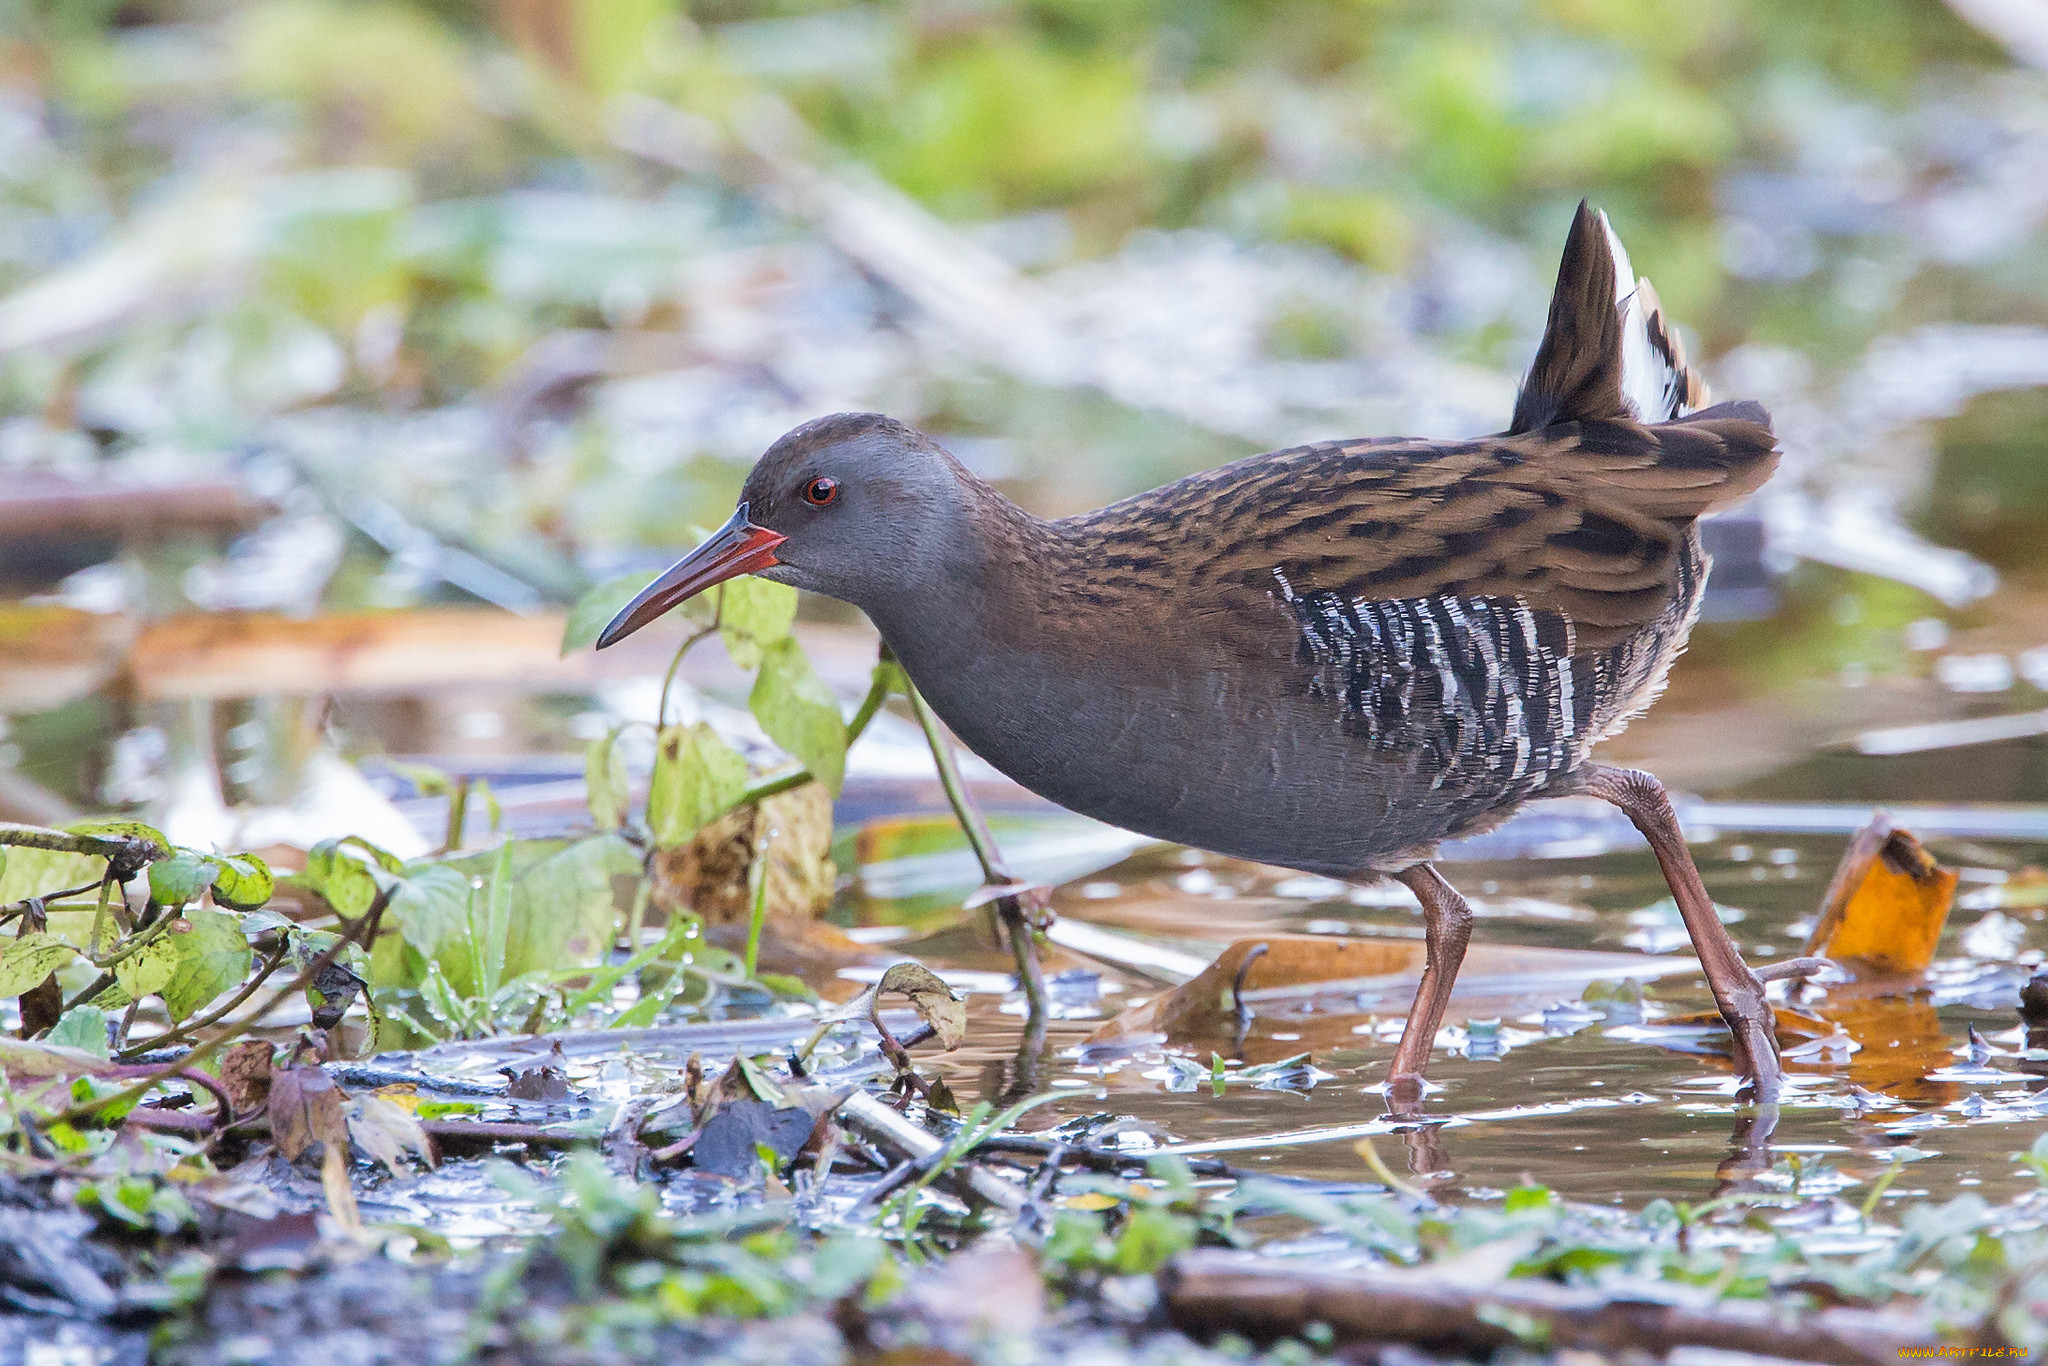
(1755, 1029)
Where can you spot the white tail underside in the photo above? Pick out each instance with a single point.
(1650, 383)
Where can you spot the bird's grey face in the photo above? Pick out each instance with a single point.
(851, 506)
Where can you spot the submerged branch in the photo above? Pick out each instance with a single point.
(890, 1131)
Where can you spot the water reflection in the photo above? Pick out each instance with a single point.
(1607, 1094)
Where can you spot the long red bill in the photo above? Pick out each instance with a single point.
(738, 547)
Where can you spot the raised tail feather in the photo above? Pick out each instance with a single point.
(1608, 352)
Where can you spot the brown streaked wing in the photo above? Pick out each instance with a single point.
(1585, 519)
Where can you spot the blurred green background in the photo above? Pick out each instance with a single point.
(494, 300)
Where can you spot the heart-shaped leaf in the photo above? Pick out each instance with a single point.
(83, 1028)
(799, 712)
(342, 879)
(179, 879)
(753, 614)
(567, 907)
(243, 883)
(213, 956)
(697, 778)
(431, 907)
(26, 961)
(149, 969)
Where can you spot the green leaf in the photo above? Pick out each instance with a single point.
(181, 878)
(799, 713)
(37, 872)
(595, 609)
(244, 883)
(383, 858)
(123, 830)
(697, 778)
(426, 780)
(754, 614)
(307, 947)
(149, 969)
(1523, 1198)
(431, 908)
(1151, 1236)
(442, 1109)
(213, 957)
(342, 879)
(609, 786)
(83, 1028)
(566, 908)
(494, 810)
(26, 961)
(256, 924)
(489, 938)
(782, 984)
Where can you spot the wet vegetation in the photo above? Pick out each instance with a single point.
(387, 977)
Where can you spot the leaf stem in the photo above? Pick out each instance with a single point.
(757, 893)
(458, 814)
(689, 643)
(99, 915)
(1030, 975)
(636, 916)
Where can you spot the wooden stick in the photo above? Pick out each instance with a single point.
(1211, 1291)
(902, 1139)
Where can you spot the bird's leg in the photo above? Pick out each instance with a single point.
(1737, 990)
(1447, 921)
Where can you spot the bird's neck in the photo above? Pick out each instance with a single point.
(988, 628)
(977, 587)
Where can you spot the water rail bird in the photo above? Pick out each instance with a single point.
(1331, 657)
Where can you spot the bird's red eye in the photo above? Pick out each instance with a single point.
(821, 492)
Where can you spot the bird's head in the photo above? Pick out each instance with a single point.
(856, 506)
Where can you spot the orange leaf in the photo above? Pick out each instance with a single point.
(1887, 904)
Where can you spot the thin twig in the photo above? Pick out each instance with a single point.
(757, 888)
(137, 944)
(94, 885)
(1030, 975)
(1095, 1159)
(1208, 1291)
(192, 1027)
(363, 930)
(90, 990)
(99, 915)
(689, 643)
